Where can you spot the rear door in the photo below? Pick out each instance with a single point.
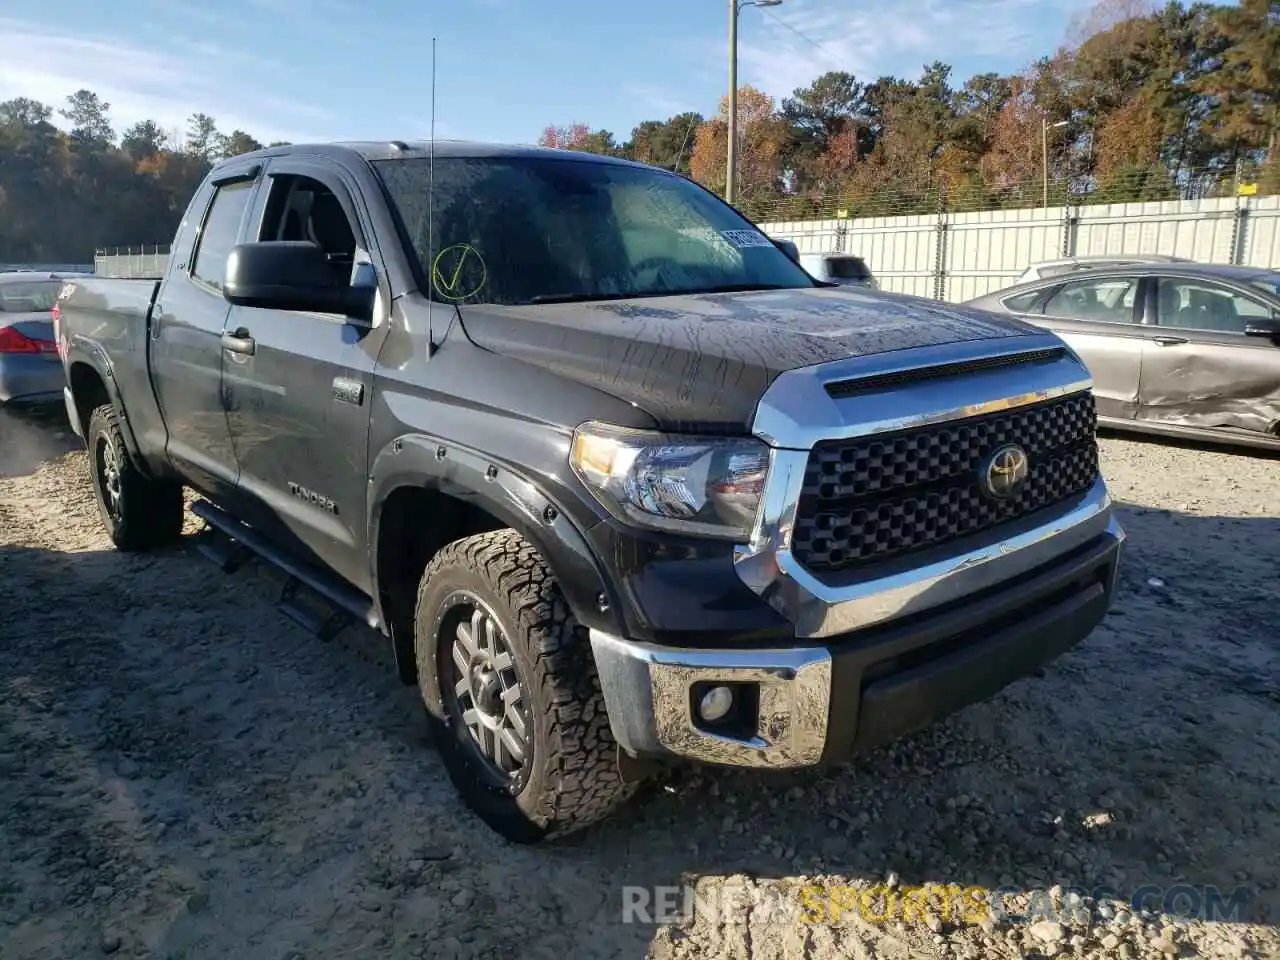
(1101, 319)
(187, 325)
(1199, 369)
(298, 404)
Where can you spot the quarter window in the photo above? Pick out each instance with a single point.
(221, 228)
(1194, 305)
(1022, 302)
(1106, 301)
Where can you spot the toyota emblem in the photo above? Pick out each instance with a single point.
(1004, 473)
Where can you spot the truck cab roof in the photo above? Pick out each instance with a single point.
(372, 150)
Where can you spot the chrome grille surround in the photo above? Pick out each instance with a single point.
(797, 415)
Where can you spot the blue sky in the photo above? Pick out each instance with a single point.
(346, 69)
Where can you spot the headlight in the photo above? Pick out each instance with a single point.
(699, 486)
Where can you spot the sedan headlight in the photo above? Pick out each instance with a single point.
(700, 486)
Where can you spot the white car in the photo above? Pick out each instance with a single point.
(1054, 268)
(842, 268)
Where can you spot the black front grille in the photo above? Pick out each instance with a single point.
(878, 497)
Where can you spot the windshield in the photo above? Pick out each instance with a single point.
(515, 230)
(28, 296)
(1270, 282)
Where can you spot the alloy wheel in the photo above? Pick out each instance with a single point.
(487, 698)
(109, 472)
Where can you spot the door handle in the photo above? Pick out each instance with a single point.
(238, 342)
(1168, 341)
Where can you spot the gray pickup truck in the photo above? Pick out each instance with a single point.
(620, 483)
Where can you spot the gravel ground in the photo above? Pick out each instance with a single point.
(185, 773)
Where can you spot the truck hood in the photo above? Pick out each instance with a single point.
(701, 362)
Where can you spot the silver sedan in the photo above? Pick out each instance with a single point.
(30, 372)
(1183, 349)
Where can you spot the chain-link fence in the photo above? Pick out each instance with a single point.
(46, 267)
(139, 263)
(888, 196)
(957, 256)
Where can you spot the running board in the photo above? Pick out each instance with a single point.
(348, 603)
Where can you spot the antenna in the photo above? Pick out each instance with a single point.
(431, 184)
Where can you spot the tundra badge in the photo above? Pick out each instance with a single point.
(310, 496)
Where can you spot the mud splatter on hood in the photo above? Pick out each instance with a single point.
(702, 362)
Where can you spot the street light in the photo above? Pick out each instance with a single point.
(731, 166)
(1045, 127)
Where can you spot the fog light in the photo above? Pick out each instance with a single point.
(715, 704)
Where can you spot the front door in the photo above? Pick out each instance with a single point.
(1100, 320)
(187, 326)
(298, 402)
(1199, 369)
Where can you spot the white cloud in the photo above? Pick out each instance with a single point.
(786, 47)
(659, 101)
(141, 84)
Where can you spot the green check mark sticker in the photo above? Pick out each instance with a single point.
(458, 272)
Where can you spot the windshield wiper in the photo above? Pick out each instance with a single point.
(641, 294)
(737, 288)
(580, 297)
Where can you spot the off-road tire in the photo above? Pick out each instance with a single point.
(572, 779)
(149, 513)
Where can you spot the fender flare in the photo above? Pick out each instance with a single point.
(92, 355)
(505, 493)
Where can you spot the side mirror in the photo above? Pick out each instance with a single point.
(1263, 328)
(789, 248)
(290, 275)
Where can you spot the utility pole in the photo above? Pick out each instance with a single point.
(731, 164)
(731, 161)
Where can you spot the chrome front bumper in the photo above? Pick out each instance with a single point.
(649, 690)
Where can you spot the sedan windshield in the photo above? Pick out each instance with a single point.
(516, 230)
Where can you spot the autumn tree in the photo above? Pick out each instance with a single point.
(762, 135)
(571, 137)
(1013, 158)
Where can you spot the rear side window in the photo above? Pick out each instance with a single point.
(1022, 302)
(1109, 300)
(221, 227)
(29, 296)
(847, 268)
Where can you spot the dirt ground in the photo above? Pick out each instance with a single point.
(186, 773)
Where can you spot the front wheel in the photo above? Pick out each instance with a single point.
(139, 513)
(525, 736)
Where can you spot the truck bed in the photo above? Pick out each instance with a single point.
(113, 316)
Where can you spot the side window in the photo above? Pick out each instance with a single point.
(303, 208)
(221, 227)
(1195, 305)
(1022, 302)
(1106, 301)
